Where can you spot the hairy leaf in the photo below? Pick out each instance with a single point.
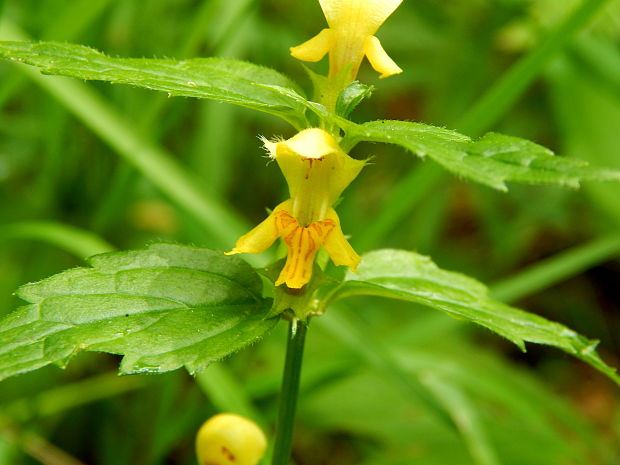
(163, 307)
(492, 160)
(409, 276)
(220, 79)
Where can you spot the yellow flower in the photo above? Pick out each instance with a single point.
(316, 171)
(227, 439)
(350, 36)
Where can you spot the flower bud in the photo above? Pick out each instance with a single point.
(229, 439)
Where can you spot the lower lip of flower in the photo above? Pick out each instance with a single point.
(302, 242)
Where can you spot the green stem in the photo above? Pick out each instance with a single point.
(289, 393)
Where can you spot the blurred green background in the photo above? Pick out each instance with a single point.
(384, 383)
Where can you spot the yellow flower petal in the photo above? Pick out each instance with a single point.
(316, 171)
(362, 16)
(338, 248)
(227, 439)
(315, 48)
(351, 23)
(379, 59)
(310, 143)
(262, 236)
(302, 243)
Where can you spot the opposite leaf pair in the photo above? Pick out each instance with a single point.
(169, 306)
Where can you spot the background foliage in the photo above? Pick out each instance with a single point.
(76, 155)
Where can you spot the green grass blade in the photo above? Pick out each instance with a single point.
(62, 398)
(358, 338)
(73, 21)
(76, 241)
(154, 163)
(399, 203)
(226, 392)
(68, 25)
(505, 92)
(465, 417)
(556, 269)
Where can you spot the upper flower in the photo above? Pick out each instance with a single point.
(350, 37)
(316, 171)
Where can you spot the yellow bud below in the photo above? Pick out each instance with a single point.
(229, 439)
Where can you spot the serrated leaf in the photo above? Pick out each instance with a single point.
(409, 276)
(163, 307)
(220, 79)
(492, 160)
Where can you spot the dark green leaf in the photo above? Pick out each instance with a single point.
(220, 79)
(163, 307)
(492, 160)
(409, 276)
